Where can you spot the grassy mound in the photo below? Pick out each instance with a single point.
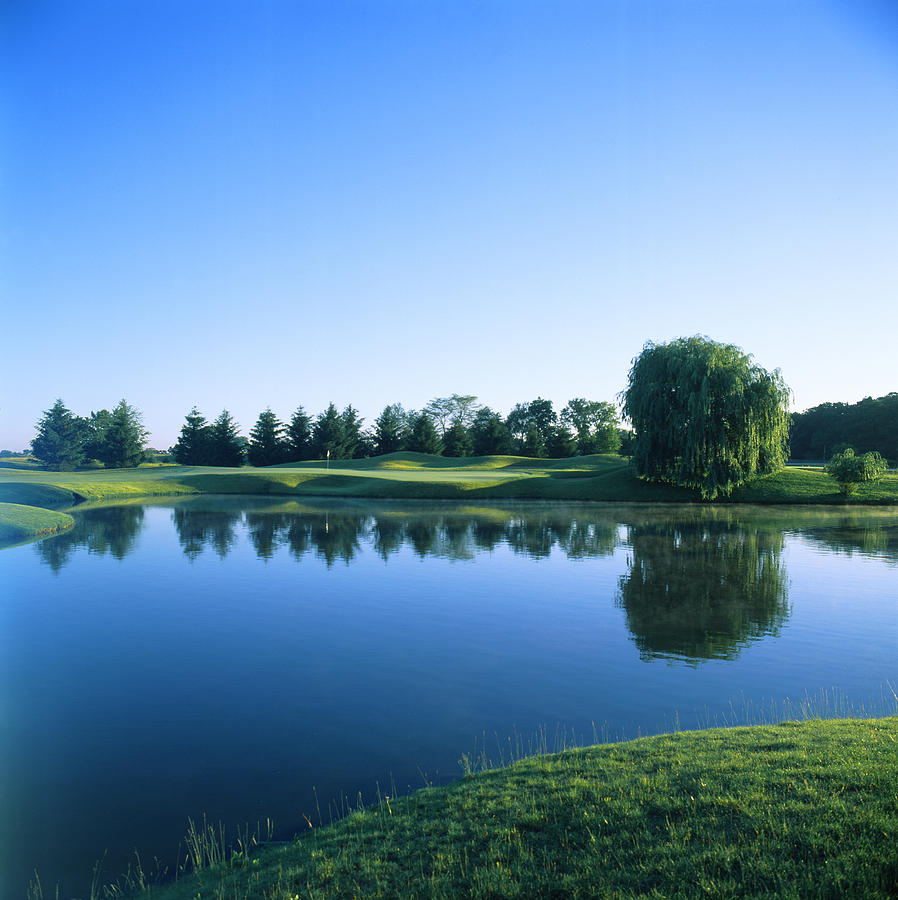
(21, 523)
(790, 810)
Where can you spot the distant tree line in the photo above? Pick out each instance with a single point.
(455, 426)
(869, 425)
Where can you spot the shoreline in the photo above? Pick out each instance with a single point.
(36, 503)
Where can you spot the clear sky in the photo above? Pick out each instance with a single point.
(284, 202)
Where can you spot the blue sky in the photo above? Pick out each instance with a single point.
(262, 204)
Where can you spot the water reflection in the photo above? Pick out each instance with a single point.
(201, 528)
(699, 582)
(339, 533)
(111, 529)
(703, 588)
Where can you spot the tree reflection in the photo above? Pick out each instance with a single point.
(869, 538)
(338, 531)
(199, 528)
(703, 589)
(111, 529)
(337, 535)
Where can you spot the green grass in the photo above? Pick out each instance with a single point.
(791, 810)
(418, 476)
(20, 523)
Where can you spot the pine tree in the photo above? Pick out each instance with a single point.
(352, 433)
(299, 435)
(423, 437)
(225, 443)
(389, 429)
(58, 443)
(267, 444)
(122, 445)
(457, 441)
(328, 435)
(192, 447)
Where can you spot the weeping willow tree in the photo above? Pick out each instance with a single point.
(704, 416)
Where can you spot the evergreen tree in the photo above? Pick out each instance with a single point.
(352, 434)
(192, 447)
(328, 436)
(423, 437)
(58, 443)
(563, 443)
(457, 441)
(489, 434)
(95, 427)
(226, 446)
(267, 444)
(533, 443)
(299, 435)
(389, 429)
(123, 443)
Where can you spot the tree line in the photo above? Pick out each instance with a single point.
(455, 426)
(830, 428)
(704, 416)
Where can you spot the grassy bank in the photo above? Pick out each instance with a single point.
(792, 810)
(20, 523)
(421, 477)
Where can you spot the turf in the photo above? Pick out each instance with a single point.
(20, 523)
(418, 476)
(792, 810)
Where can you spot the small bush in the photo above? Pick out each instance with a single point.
(851, 470)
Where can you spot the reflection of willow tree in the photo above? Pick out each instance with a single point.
(112, 529)
(702, 590)
(201, 528)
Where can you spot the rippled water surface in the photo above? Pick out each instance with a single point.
(244, 657)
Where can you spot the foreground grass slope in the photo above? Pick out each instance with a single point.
(793, 810)
(419, 476)
(22, 523)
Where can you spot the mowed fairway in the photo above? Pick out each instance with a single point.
(397, 475)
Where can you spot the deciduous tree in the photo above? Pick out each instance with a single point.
(705, 416)
(851, 470)
(595, 423)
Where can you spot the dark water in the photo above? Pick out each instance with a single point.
(226, 656)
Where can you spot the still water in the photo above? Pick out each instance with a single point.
(242, 657)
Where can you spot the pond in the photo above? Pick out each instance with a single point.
(241, 658)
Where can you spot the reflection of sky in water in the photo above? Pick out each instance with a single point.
(216, 658)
